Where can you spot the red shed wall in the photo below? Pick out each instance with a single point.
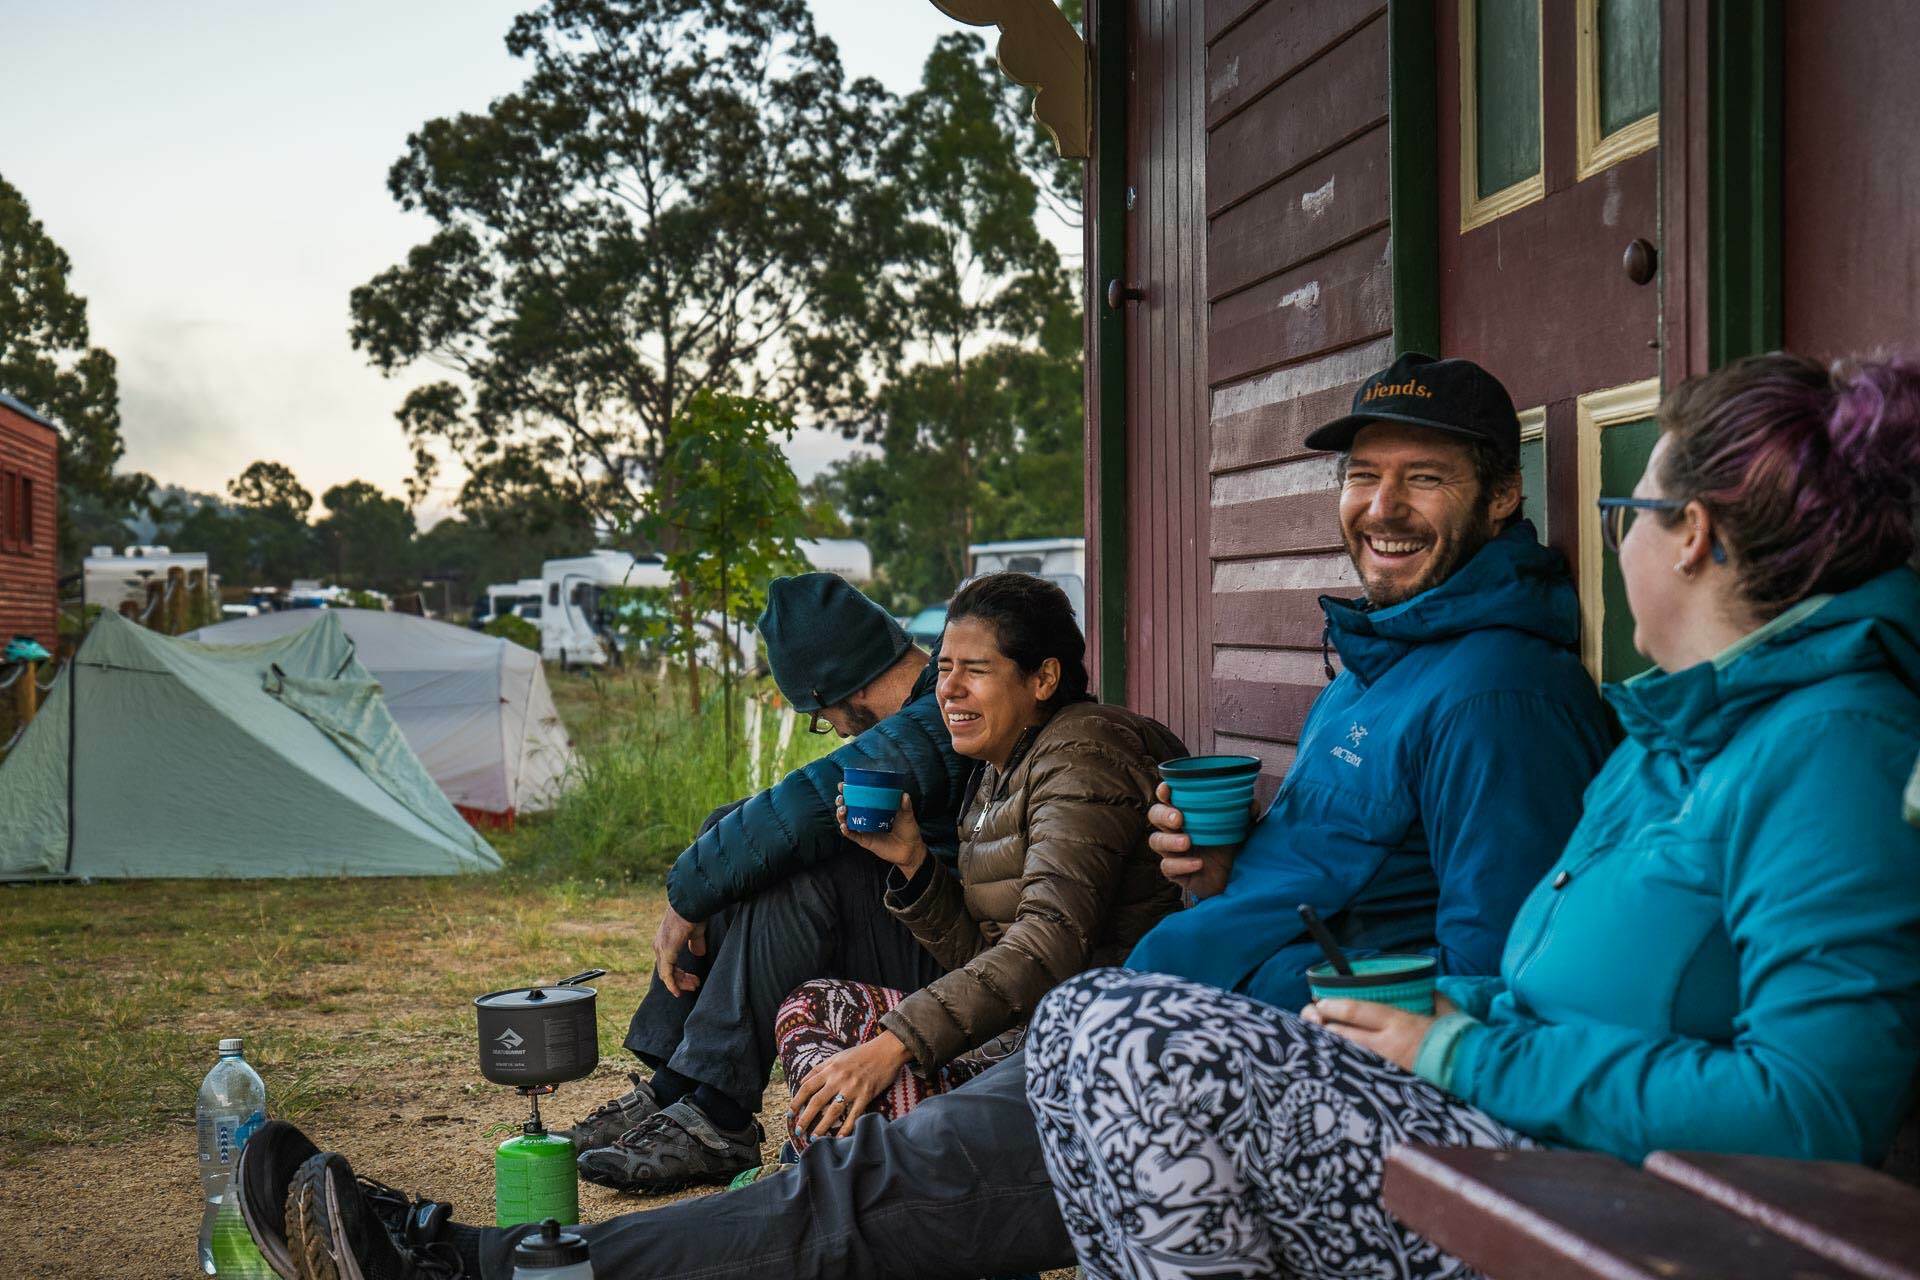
(29, 602)
(1299, 311)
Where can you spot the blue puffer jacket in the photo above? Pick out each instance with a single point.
(1437, 777)
(791, 825)
(1727, 956)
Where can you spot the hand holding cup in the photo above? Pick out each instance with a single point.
(892, 837)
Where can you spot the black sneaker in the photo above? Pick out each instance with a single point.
(335, 1230)
(606, 1122)
(268, 1160)
(265, 1170)
(675, 1148)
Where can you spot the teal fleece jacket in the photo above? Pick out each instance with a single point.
(1727, 955)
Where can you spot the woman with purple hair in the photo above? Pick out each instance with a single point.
(1726, 957)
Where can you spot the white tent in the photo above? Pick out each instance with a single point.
(475, 709)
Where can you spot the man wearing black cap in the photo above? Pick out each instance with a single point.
(770, 896)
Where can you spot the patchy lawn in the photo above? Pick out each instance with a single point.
(354, 999)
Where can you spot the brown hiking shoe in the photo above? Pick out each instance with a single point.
(610, 1119)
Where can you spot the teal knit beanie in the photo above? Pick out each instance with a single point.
(826, 641)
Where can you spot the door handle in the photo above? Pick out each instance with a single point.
(1118, 295)
(1640, 261)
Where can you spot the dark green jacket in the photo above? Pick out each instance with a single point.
(790, 826)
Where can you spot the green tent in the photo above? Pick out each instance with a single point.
(161, 757)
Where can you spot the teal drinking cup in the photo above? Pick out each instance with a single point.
(1214, 794)
(1405, 982)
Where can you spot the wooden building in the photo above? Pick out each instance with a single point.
(29, 550)
(1593, 198)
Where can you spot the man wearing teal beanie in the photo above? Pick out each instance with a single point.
(770, 896)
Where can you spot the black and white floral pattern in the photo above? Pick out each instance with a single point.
(1193, 1132)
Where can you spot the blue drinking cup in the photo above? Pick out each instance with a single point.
(1214, 794)
(872, 797)
(1405, 982)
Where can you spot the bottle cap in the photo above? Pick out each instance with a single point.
(550, 1247)
(232, 1044)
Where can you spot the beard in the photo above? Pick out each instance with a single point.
(1451, 547)
(859, 719)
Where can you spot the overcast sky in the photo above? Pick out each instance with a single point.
(217, 173)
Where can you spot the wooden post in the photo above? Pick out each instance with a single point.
(27, 697)
(176, 607)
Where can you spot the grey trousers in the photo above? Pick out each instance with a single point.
(953, 1190)
(828, 921)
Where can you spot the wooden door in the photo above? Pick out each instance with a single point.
(1168, 585)
(1548, 171)
(1850, 177)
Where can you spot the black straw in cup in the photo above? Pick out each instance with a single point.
(1335, 956)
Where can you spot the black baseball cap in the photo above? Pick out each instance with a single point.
(1454, 396)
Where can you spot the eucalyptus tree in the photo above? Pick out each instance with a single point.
(678, 199)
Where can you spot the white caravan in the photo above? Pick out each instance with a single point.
(1061, 561)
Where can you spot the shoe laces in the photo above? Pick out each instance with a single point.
(618, 1105)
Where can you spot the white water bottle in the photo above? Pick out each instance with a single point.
(552, 1253)
(231, 1105)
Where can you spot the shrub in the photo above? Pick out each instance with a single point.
(648, 775)
(517, 629)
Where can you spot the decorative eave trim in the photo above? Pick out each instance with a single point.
(1040, 49)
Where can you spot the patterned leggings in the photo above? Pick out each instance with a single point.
(826, 1015)
(1193, 1132)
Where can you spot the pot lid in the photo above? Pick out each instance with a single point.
(533, 997)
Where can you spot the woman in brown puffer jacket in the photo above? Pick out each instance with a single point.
(1055, 874)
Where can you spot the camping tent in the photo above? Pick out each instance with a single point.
(160, 757)
(475, 709)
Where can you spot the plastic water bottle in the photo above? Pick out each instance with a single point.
(232, 1104)
(552, 1254)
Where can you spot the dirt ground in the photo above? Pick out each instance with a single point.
(355, 998)
(133, 1210)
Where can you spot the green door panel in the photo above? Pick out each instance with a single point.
(1623, 456)
(1507, 86)
(1533, 484)
(1629, 62)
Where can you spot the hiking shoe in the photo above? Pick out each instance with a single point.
(675, 1148)
(606, 1122)
(268, 1160)
(335, 1230)
(264, 1172)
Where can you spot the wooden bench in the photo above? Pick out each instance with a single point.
(1574, 1215)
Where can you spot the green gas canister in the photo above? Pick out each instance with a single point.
(534, 1178)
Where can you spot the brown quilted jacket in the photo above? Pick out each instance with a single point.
(1055, 878)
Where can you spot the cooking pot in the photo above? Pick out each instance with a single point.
(539, 1035)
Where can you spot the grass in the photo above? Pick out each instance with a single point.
(649, 773)
(114, 994)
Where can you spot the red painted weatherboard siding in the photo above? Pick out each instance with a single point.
(29, 602)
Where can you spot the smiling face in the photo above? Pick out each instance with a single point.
(1412, 510)
(986, 700)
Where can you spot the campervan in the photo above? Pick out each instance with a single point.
(1061, 561)
(572, 632)
(110, 579)
(522, 599)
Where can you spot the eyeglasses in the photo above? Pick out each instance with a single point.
(816, 725)
(1616, 517)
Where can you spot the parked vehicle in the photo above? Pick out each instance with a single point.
(924, 627)
(1061, 561)
(520, 599)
